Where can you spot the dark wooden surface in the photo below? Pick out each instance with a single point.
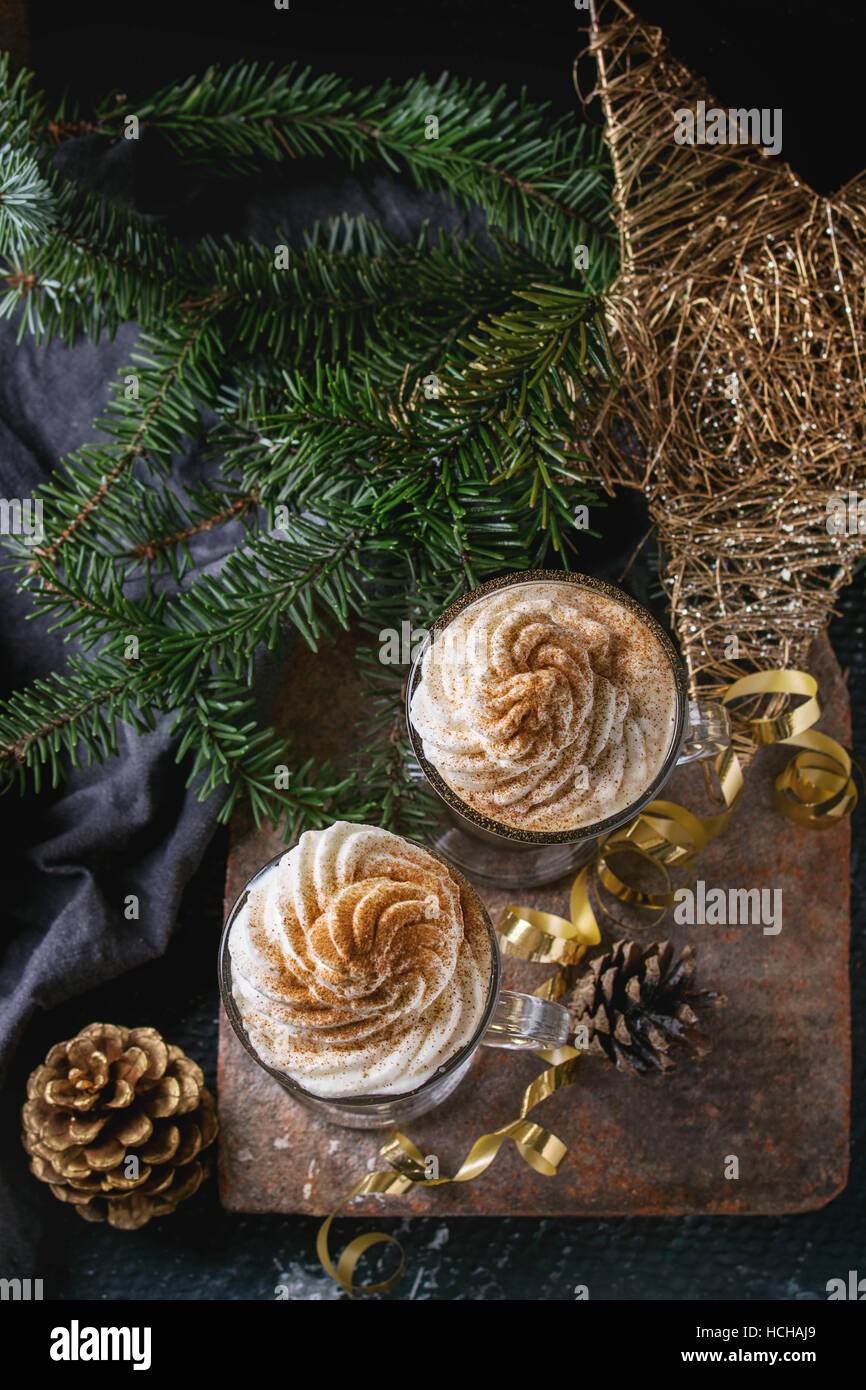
(774, 1092)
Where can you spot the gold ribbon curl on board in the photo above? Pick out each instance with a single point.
(539, 1148)
(815, 789)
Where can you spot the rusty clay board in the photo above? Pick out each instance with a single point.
(774, 1091)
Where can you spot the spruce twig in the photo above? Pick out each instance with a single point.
(532, 174)
(395, 423)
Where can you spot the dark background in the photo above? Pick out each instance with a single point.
(803, 58)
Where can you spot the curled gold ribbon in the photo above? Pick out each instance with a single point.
(344, 1271)
(540, 1149)
(815, 789)
(531, 934)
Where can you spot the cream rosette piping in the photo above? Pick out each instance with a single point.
(358, 966)
(524, 714)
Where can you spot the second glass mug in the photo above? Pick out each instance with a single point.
(509, 1020)
(507, 857)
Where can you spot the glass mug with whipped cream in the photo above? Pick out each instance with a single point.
(363, 973)
(546, 709)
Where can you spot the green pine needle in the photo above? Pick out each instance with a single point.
(385, 425)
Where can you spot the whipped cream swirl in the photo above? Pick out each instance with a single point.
(359, 965)
(545, 706)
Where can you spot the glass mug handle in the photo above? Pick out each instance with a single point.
(523, 1020)
(708, 731)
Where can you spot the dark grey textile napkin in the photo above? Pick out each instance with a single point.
(74, 857)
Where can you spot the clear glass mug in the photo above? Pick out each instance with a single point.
(509, 857)
(509, 1020)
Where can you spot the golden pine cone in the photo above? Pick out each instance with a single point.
(116, 1122)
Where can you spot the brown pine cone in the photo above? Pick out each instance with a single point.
(116, 1121)
(636, 1003)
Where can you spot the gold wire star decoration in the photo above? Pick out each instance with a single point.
(738, 315)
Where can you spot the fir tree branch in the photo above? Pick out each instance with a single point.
(22, 107)
(231, 753)
(177, 374)
(511, 406)
(149, 550)
(90, 265)
(26, 201)
(308, 580)
(73, 713)
(532, 175)
(359, 492)
(132, 505)
(77, 714)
